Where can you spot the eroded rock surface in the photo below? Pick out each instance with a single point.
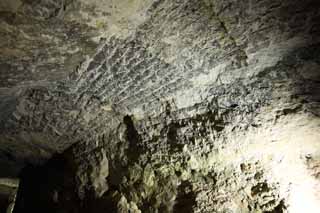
(162, 106)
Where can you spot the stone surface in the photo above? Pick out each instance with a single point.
(8, 191)
(162, 106)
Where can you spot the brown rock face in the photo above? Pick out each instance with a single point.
(161, 105)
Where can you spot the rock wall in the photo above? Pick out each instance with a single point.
(183, 106)
(197, 164)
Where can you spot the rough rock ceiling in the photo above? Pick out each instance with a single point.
(224, 74)
(151, 52)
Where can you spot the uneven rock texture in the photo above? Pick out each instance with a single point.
(191, 166)
(163, 106)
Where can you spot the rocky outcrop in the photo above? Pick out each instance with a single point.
(197, 164)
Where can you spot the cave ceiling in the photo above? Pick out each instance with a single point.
(71, 69)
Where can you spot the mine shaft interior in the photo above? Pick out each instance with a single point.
(160, 106)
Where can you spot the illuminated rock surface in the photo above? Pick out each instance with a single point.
(161, 105)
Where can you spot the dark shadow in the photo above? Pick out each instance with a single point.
(133, 137)
(49, 188)
(186, 198)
